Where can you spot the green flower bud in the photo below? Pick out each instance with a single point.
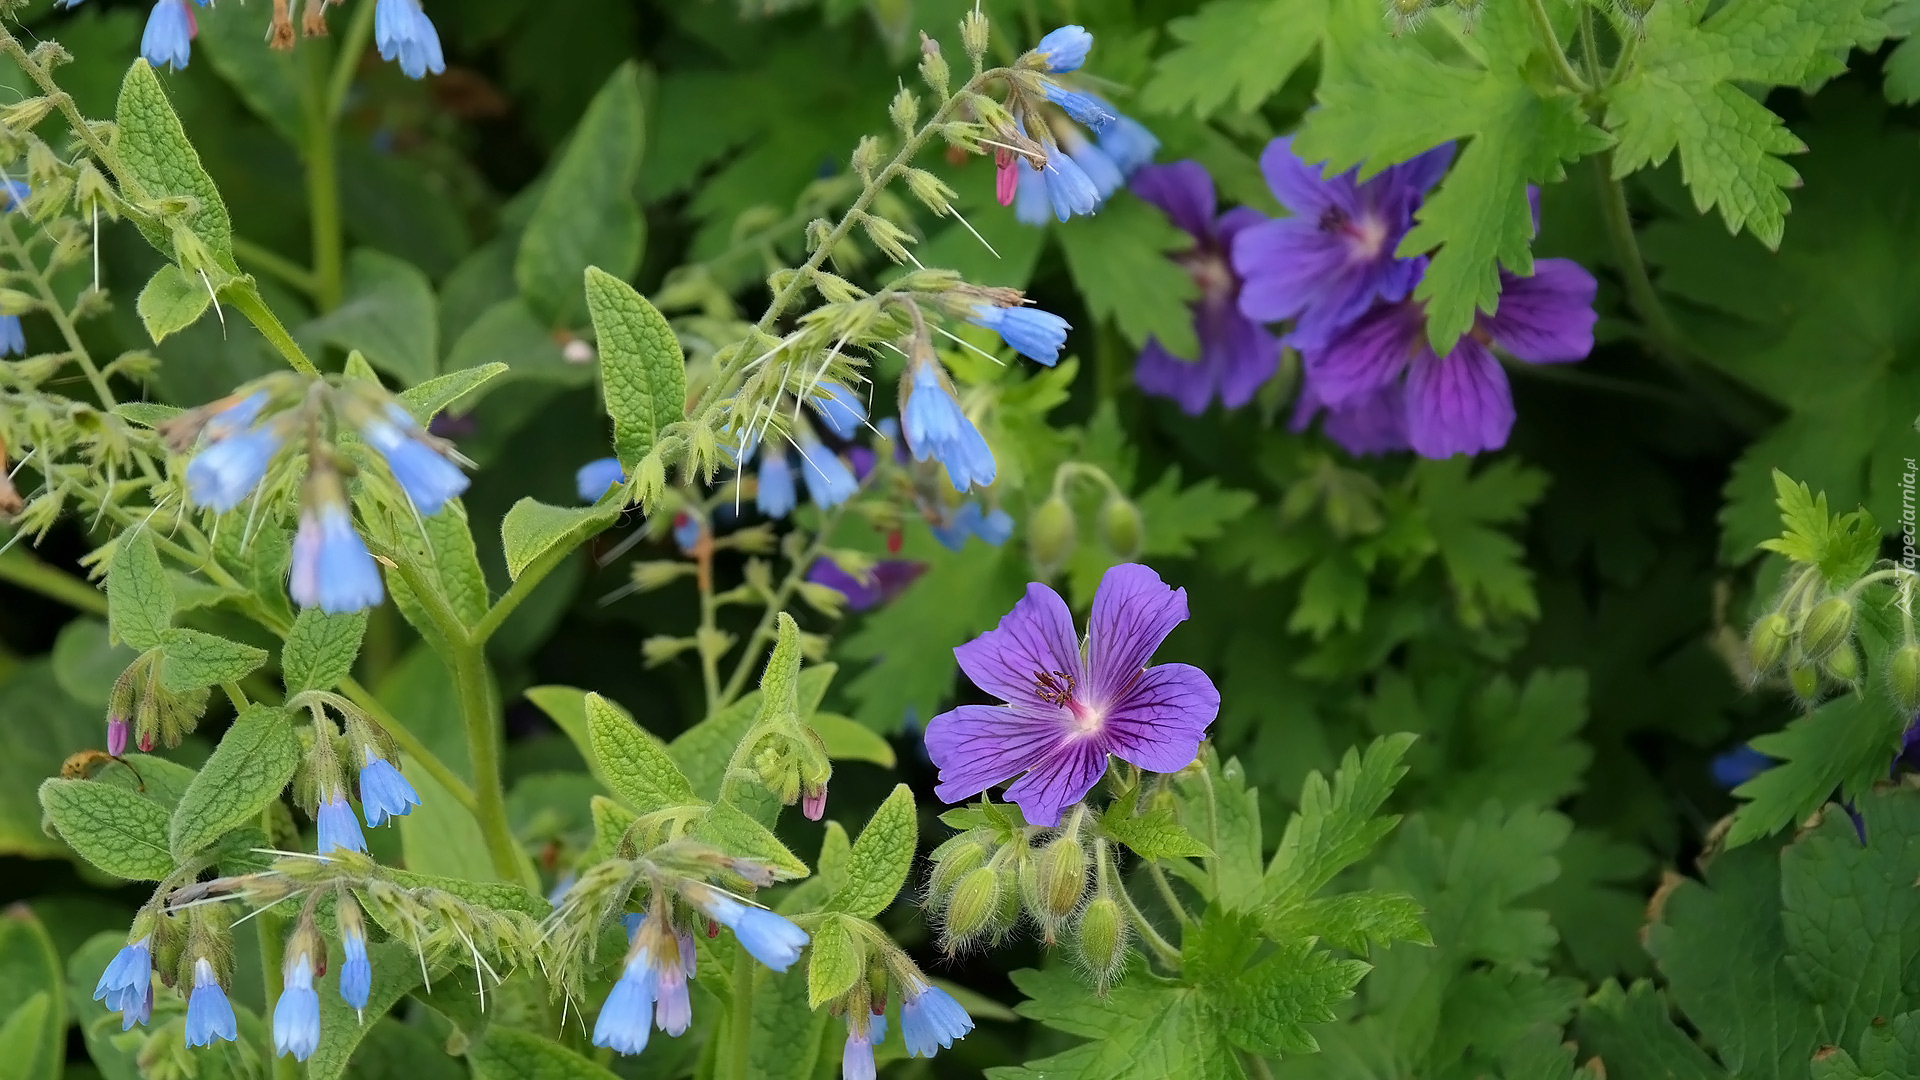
(933, 66)
(1767, 644)
(1102, 938)
(1828, 626)
(1121, 528)
(1843, 665)
(1805, 680)
(1061, 876)
(1903, 678)
(1051, 533)
(964, 859)
(973, 35)
(974, 905)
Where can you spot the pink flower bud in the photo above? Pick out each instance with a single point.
(814, 803)
(1006, 177)
(116, 736)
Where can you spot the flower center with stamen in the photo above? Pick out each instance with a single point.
(1368, 233)
(1056, 688)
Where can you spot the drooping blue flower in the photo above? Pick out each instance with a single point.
(221, 475)
(331, 567)
(384, 791)
(1034, 334)
(970, 520)
(594, 478)
(931, 1021)
(936, 427)
(423, 472)
(672, 1006)
(768, 937)
(13, 336)
(841, 409)
(1127, 141)
(626, 1019)
(1083, 108)
(126, 986)
(1100, 168)
(296, 1018)
(775, 495)
(856, 1061)
(209, 1013)
(337, 826)
(1069, 189)
(1065, 49)
(236, 416)
(829, 481)
(13, 193)
(404, 33)
(168, 38)
(356, 971)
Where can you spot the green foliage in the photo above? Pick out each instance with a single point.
(634, 765)
(1120, 265)
(643, 374)
(1235, 52)
(320, 649)
(154, 146)
(1841, 546)
(118, 831)
(245, 773)
(877, 866)
(389, 315)
(533, 533)
(139, 600)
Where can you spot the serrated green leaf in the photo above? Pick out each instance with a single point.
(881, 858)
(1842, 546)
(533, 532)
(396, 971)
(147, 414)
(171, 302)
(1144, 1028)
(445, 543)
(321, 649)
(835, 961)
(388, 314)
(1119, 263)
(1234, 53)
(511, 1054)
(1485, 566)
(1154, 834)
(1385, 99)
(728, 828)
(139, 600)
(121, 833)
(1352, 921)
(586, 214)
(1336, 825)
(635, 766)
(84, 663)
(1633, 1033)
(643, 374)
(426, 400)
(155, 150)
(1688, 91)
(192, 659)
(253, 762)
(1845, 743)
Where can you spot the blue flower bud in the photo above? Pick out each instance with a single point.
(776, 495)
(969, 520)
(296, 1018)
(856, 1061)
(930, 1021)
(1069, 189)
(769, 938)
(1065, 49)
(427, 477)
(331, 567)
(1094, 161)
(1739, 765)
(937, 427)
(13, 193)
(596, 476)
(209, 1013)
(337, 826)
(168, 40)
(626, 1019)
(356, 971)
(841, 408)
(829, 481)
(384, 792)
(1084, 108)
(225, 472)
(404, 33)
(13, 337)
(1035, 334)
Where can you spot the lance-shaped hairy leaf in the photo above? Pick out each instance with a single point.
(139, 600)
(643, 374)
(881, 858)
(253, 762)
(835, 960)
(191, 659)
(633, 764)
(154, 148)
(119, 831)
(320, 649)
(534, 532)
(506, 1053)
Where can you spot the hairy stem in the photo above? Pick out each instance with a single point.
(1167, 895)
(708, 637)
(740, 1022)
(750, 648)
(27, 570)
(1543, 26)
(274, 263)
(481, 719)
(246, 300)
(1626, 249)
(58, 310)
(323, 182)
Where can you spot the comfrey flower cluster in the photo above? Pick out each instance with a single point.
(401, 30)
(288, 418)
(1045, 164)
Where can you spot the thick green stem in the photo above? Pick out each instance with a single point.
(323, 183)
(740, 1022)
(1626, 250)
(1543, 26)
(346, 62)
(25, 569)
(274, 263)
(246, 300)
(481, 719)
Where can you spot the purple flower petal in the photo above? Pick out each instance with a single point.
(978, 746)
(1239, 354)
(1159, 724)
(1184, 190)
(1288, 264)
(1035, 638)
(1418, 174)
(1458, 403)
(1373, 424)
(1303, 188)
(1546, 318)
(1370, 354)
(1133, 612)
(1163, 374)
(1062, 779)
(1235, 221)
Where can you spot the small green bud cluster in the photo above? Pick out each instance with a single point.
(1053, 532)
(986, 878)
(1809, 636)
(157, 714)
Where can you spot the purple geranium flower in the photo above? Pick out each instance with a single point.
(1237, 354)
(1334, 257)
(1067, 711)
(1458, 403)
(1374, 423)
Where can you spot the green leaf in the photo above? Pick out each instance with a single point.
(1842, 546)
(1352, 920)
(633, 764)
(881, 858)
(1385, 99)
(508, 333)
(155, 150)
(1264, 1007)
(321, 649)
(1336, 825)
(1632, 1032)
(1150, 835)
(1845, 744)
(702, 751)
(426, 400)
(498, 895)
(33, 1039)
(1485, 566)
(835, 961)
(1144, 1028)
(84, 663)
(445, 543)
(1691, 88)
(533, 532)
(171, 302)
(247, 771)
(510, 1054)
(442, 837)
(389, 314)
(1119, 263)
(192, 659)
(610, 824)
(120, 832)
(139, 600)
(586, 215)
(1234, 52)
(729, 828)
(847, 739)
(396, 971)
(642, 371)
